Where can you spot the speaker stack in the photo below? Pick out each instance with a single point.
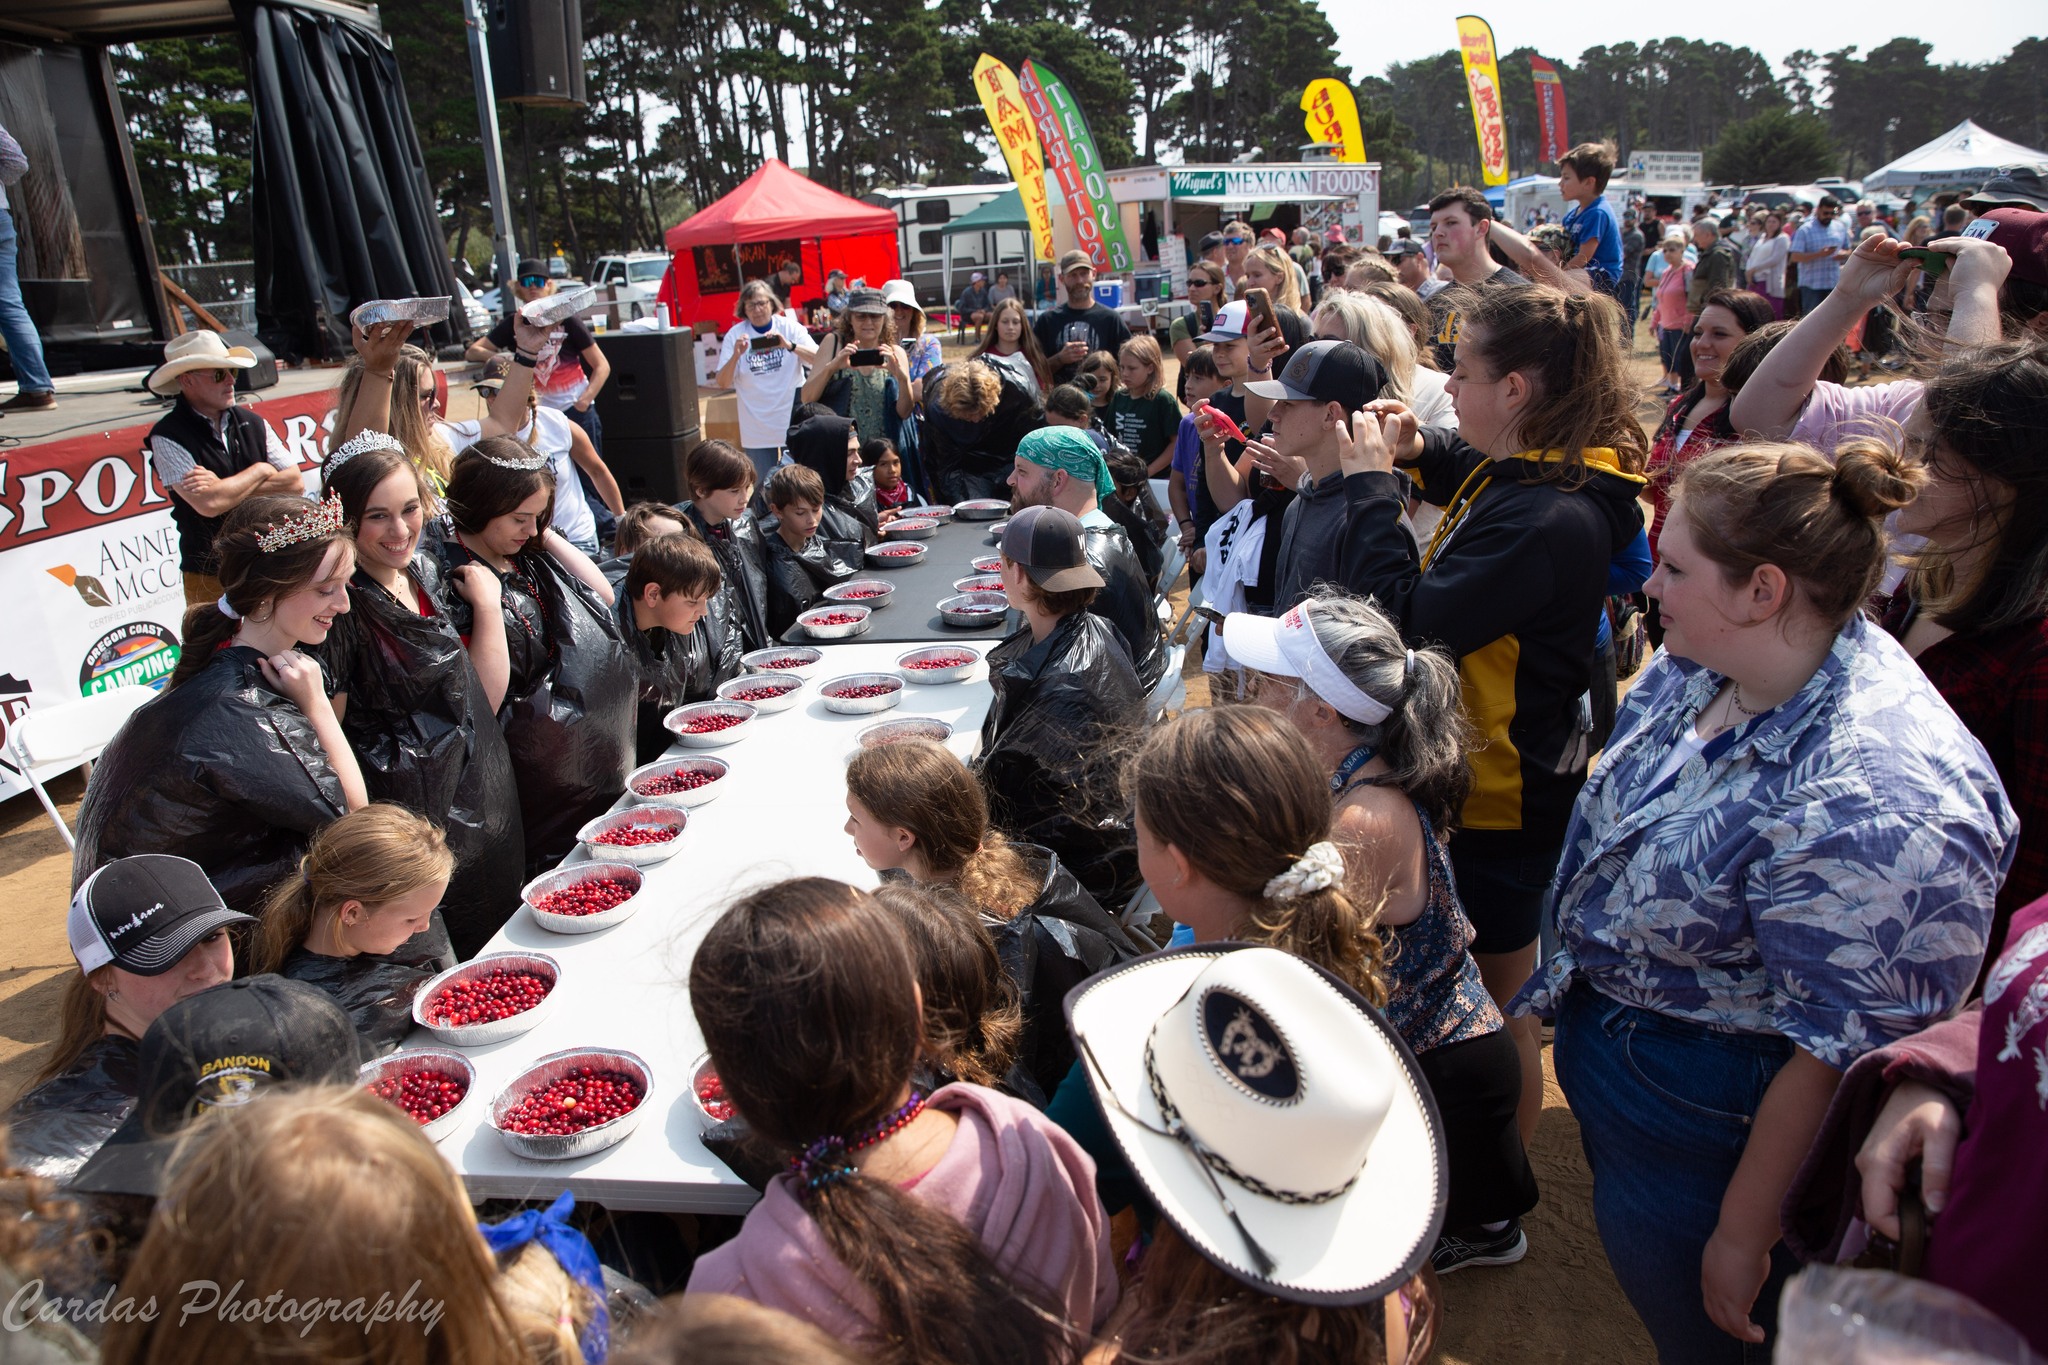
(537, 51)
(649, 411)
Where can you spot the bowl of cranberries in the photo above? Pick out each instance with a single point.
(637, 835)
(710, 724)
(677, 781)
(903, 728)
(896, 556)
(429, 1083)
(871, 593)
(981, 582)
(974, 610)
(937, 664)
(488, 999)
(570, 1104)
(584, 897)
(796, 661)
(932, 511)
(858, 694)
(911, 528)
(834, 620)
(709, 1093)
(981, 509)
(986, 564)
(764, 692)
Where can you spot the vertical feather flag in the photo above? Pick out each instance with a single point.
(1482, 84)
(1071, 156)
(1017, 135)
(1557, 138)
(1331, 113)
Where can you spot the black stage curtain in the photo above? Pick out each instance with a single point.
(343, 210)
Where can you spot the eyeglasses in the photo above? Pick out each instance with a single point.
(220, 376)
(1235, 241)
(1201, 284)
(532, 281)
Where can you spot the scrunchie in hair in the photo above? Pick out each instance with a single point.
(1319, 869)
(226, 608)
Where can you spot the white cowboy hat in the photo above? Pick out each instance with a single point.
(1276, 1119)
(197, 351)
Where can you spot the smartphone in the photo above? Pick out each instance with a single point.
(869, 356)
(1935, 263)
(1211, 615)
(766, 343)
(1205, 313)
(1077, 331)
(1261, 305)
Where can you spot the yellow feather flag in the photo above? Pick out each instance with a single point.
(1017, 135)
(1482, 84)
(1331, 113)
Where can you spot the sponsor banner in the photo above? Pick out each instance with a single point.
(1330, 111)
(1550, 115)
(1482, 85)
(1666, 168)
(1017, 135)
(90, 594)
(1283, 183)
(1071, 156)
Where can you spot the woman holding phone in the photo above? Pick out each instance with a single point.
(762, 361)
(864, 374)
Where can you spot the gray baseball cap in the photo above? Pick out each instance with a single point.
(1046, 543)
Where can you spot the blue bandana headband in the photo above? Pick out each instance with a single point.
(1072, 450)
(571, 1250)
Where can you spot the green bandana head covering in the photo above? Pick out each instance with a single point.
(1070, 449)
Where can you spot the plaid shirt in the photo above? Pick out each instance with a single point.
(1814, 235)
(1998, 684)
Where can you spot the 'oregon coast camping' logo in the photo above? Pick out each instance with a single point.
(140, 653)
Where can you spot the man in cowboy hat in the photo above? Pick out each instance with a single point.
(209, 454)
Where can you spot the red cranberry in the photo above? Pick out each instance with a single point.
(498, 994)
(593, 897)
(862, 692)
(668, 784)
(425, 1095)
(711, 723)
(764, 693)
(900, 551)
(982, 585)
(862, 594)
(786, 661)
(913, 524)
(583, 1099)
(636, 836)
(941, 661)
(833, 618)
(711, 1094)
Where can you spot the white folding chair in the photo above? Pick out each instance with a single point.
(1171, 562)
(52, 740)
(1170, 691)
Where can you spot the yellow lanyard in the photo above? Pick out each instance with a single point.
(1459, 509)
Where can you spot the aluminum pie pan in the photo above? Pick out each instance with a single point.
(698, 1072)
(911, 528)
(575, 875)
(553, 308)
(905, 727)
(984, 564)
(897, 556)
(951, 673)
(418, 311)
(709, 739)
(425, 1059)
(498, 1030)
(810, 621)
(878, 592)
(863, 706)
(952, 613)
(982, 509)
(980, 582)
(553, 1067)
(786, 686)
(696, 796)
(676, 818)
(937, 511)
(761, 660)
(995, 532)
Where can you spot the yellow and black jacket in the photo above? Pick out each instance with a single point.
(1512, 583)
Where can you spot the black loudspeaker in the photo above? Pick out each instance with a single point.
(650, 468)
(537, 51)
(264, 374)
(653, 388)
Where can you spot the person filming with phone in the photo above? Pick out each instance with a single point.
(762, 361)
(1071, 332)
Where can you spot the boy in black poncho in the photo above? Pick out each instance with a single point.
(804, 556)
(663, 599)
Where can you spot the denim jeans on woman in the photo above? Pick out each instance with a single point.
(1665, 1107)
(24, 345)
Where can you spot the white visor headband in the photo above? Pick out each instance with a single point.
(1305, 655)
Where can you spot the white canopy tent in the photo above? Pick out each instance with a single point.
(1964, 157)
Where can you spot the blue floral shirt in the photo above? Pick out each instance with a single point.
(1828, 876)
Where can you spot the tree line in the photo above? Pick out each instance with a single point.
(688, 96)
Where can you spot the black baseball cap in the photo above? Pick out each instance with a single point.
(1402, 246)
(1327, 372)
(1210, 241)
(1046, 543)
(144, 913)
(530, 265)
(220, 1049)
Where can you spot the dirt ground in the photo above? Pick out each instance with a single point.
(1560, 1304)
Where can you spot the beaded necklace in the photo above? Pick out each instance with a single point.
(825, 1159)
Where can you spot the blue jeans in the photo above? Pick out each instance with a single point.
(1809, 299)
(1664, 1108)
(24, 346)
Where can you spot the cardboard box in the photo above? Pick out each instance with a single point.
(721, 417)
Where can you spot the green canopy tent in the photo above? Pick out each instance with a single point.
(1004, 213)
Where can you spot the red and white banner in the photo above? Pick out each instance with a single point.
(90, 593)
(1550, 116)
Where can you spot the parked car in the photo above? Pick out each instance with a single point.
(480, 318)
(638, 276)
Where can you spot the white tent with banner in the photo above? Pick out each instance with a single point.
(1964, 157)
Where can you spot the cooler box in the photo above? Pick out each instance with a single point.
(1111, 293)
(1154, 284)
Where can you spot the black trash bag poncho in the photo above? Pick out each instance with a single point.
(428, 740)
(1126, 601)
(377, 991)
(740, 606)
(223, 770)
(673, 669)
(1052, 746)
(820, 444)
(973, 459)
(55, 1128)
(797, 579)
(568, 710)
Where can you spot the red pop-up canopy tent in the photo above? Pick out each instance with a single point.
(774, 216)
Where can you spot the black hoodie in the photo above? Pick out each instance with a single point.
(819, 443)
(1513, 584)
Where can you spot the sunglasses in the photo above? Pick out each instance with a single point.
(1235, 241)
(532, 281)
(219, 376)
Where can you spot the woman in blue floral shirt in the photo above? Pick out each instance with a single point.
(1787, 855)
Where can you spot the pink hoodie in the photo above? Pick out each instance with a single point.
(1010, 1175)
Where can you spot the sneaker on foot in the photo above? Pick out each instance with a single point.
(30, 401)
(1476, 1246)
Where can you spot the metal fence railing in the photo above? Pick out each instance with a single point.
(226, 289)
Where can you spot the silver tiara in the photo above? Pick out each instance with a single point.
(361, 443)
(318, 521)
(535, 460)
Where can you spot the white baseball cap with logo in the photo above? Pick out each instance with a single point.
(144, 913)
(1233, 323)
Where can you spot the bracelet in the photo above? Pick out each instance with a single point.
(522, 358)
(385, 375)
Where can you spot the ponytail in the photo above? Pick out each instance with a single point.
(1569, 347)
(285, 922)
(81, 1022)
(973, 1018)
(923, 787)
(207, 629)
(546, 1306)
(373, 856)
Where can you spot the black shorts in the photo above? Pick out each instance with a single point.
(1502, 895)
(1478, 1085)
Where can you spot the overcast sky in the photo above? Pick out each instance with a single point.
(1371, 37)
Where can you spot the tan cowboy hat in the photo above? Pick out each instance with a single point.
(197, 351)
